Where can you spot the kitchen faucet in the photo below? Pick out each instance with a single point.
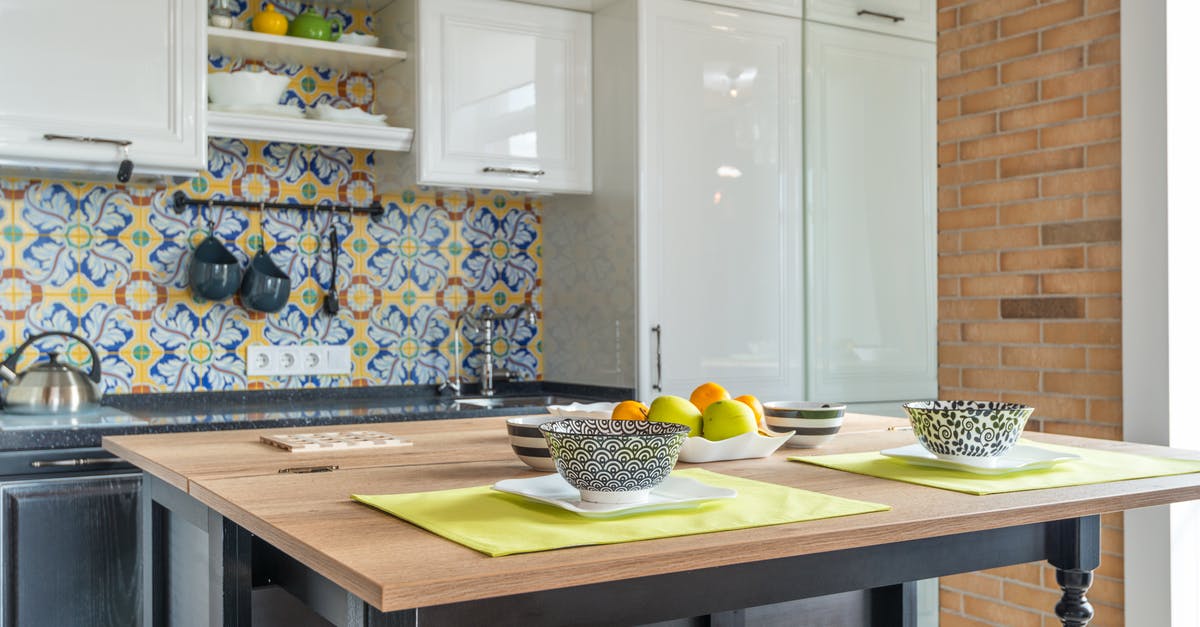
(483, 322)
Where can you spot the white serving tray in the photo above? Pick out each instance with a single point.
(697, 450)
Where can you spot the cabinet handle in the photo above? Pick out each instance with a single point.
(522, 171)
(886, 16)
(78, 461)
(124, 169)
(657, 331)
(87, 140)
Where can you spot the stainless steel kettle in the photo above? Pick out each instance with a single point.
(51, 387)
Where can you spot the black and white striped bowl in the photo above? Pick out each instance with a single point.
(815, 423)
(614, 461)
(528, 443)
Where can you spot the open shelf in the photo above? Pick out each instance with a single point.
(300, 51)
(304, 131)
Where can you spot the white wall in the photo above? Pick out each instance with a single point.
(1160, 265)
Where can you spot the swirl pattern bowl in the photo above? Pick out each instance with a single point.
(614, 461)
(967, 430)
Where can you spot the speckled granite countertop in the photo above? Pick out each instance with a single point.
(165, 413)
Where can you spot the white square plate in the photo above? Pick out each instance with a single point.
(674, 493)
(1019, 458)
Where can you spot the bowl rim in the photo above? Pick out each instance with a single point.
(531, 421)
(947, 405)
(674, 428)
(804, 406)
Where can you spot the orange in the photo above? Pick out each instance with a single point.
(707, 393)
(755, 405)
(630, 410)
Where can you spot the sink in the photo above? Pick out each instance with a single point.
(498, 402)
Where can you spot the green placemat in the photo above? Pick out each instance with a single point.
(498, 524)
(1092, 467)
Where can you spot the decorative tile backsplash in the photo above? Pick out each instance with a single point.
(109, 262)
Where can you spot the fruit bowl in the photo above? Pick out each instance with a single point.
(614, 461)
(698, 450)
(967, 430)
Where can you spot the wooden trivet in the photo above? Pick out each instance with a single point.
(331, 440)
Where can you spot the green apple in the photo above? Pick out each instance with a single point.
(678, 410)
(728, 418)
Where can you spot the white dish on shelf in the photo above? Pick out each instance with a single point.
(1019, 458)
(275, 110)
(328, 113)
(697, 450)
(673, 493)
(582, 410)
(246, 89)
(358, 39)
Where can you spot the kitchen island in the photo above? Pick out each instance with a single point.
(253, 524)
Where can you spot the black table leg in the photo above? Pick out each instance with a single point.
(1074, 547)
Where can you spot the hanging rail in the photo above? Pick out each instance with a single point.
(180, 201)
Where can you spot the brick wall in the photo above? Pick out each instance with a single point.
(1029, 248)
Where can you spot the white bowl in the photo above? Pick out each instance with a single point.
(358, 39)
(246, 88)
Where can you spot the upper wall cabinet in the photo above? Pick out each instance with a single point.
(907, 18)
(92, 70)
(504, 96)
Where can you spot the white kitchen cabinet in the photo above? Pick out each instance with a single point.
(503, 96)
(768, 218)
(129, 72)
(791, 8)
(907, 18)
(721, 207)
(871, 171)
(690, 246)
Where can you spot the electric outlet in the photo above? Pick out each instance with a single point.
(297, 360)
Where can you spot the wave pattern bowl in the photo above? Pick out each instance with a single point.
(614, 461)
(967, 430)
(814, 423)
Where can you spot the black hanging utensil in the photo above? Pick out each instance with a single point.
(330, 305)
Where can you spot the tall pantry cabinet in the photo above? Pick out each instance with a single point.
(763, 213)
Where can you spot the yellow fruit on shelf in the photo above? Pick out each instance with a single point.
(707, 393)
(630, 410)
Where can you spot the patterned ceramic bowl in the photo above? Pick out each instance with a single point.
(614, 461)
(815, 423)
(528, 443)
(957, 430)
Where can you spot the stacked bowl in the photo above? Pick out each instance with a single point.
(614, 461)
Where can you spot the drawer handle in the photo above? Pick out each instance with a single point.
(886, 16)
(78, 461)
(521, 171)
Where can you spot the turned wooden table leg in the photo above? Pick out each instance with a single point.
(1073, 609)
(1074, 548)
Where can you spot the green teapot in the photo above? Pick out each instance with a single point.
(311, 25)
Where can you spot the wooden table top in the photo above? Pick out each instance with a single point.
(394, 565)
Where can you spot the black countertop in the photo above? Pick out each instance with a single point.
(210, 411)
